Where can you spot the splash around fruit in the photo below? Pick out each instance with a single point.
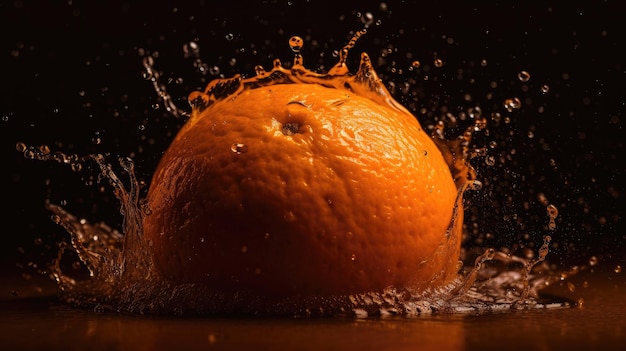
(287, 193)
(294, 183)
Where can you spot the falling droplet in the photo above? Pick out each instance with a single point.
(296, 43)
(512, 104)
(523, 76)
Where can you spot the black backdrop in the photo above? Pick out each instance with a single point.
(72, 74)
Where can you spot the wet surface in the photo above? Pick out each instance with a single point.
(31, 318)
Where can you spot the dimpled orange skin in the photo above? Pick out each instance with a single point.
(359, 198)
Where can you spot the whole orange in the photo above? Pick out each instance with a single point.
(304, 189)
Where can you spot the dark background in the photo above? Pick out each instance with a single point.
(72, 74)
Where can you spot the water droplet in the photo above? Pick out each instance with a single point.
(127, 163)
(76, 166)
(416, 64)
(244, 249)
(296, 43)
(553, 212)
(56, 218)
(593, 260)
(618, 269)
(229, 36)
(44, 149)
(438, 62)
(20, 146)
(545, 89)
(490, 161)
(239, 148)
(367, 19)
(353, 257)
(512, 104)
(523, 76)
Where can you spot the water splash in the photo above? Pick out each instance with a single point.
(122, 274)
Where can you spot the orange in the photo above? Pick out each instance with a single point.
(303, 189)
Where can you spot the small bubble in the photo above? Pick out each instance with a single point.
(239, 148)
(523, 76)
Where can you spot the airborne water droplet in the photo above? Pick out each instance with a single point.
(523, 76)
(295, 43)
(512, 104)
(553, 212)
